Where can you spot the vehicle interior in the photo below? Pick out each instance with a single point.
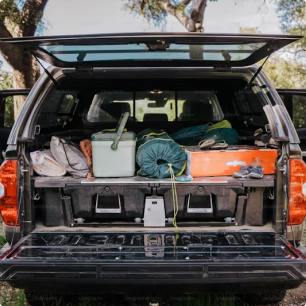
(87, 107)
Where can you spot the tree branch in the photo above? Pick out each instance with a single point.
(10, 16)
(4, 32)
(197, 14)
(31, 15)
(176, 11)
(185, 2)
(192, 23)
(8, 6)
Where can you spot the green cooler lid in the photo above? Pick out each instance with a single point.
(110, 136)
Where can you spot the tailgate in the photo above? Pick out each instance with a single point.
(170, 257)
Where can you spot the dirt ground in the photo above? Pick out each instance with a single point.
(296, 297)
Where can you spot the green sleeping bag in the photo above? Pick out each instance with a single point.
(155, 151)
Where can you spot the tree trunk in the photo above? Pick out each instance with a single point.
(20, 23)
(24, 77)
(197, 16)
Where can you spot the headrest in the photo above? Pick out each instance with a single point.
(200, 110)
(111, 112)
(155, 117)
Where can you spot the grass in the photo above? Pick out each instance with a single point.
(2, 241)
(187, 300)
(207, 300)
(18, 300)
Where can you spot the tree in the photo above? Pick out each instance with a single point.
(293, 19)
(291, 72)
(283, 72)
(20, 18)
(6, 79)
(190, 13)
(6, 82)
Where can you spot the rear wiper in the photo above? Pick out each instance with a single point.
(256, 73)
(47, 72)
(159, 45)
(81, 56)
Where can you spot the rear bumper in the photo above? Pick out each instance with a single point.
(184, 278)
(241, 267)
(149, 273)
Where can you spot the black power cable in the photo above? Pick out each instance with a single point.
(70, 144)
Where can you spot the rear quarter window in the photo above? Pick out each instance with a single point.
(299, 111)
(58, 110)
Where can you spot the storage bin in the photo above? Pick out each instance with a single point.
(225, 162)
(107, 162)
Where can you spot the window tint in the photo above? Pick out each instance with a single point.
(58, 109)
(198, 106)
(140, 51)
(155, 105)
(9, 110)
(248, 103)
(299, 111)
(108, 106)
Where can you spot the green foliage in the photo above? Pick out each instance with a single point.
(11, 10)
(9, 112)
(249, 30)
(283, 72)
(150, 10)
(286, 73)
(6, 82)
(293, 19)
(2, 241)
(299, 111)
(18, 299)
(156, 11)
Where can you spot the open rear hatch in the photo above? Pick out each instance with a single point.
(195, 257)
(145, 49)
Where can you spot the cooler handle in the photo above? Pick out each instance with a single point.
(119, 130)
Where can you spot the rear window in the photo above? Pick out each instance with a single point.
(155, 105)
(108, 106)
(140, 51)
(198, 106)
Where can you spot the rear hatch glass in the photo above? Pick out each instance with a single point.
(183, 49)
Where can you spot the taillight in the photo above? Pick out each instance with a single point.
(297, 191)
(8, 192)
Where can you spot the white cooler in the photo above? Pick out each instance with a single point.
(113, 153)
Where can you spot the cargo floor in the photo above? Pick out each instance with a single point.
(61, 182)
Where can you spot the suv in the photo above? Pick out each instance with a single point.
(59, 241)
